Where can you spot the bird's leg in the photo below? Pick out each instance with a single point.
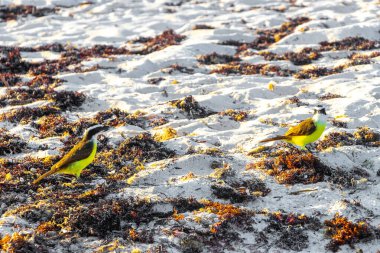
(65, 177)
(298, 147)
(74, 180)
(77, 180)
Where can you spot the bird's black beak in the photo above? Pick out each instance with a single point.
(322, 111)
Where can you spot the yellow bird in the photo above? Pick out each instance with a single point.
(79, 157)
(308, 131)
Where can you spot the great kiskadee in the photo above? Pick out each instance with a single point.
(79, 157)
(308, 131)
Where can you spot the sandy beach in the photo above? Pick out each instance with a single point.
(189, 88)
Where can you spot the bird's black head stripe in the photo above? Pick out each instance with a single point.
(93, 131)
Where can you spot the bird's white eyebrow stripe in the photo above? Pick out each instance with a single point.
(93, 127)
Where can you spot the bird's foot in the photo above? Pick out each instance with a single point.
(308, 149)
(303, 148)
(77, 180)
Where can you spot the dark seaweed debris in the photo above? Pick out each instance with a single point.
(26, 114)
(107, 216)
(144, 147)
(176, 67)
(305, 56)
(191, 107)
(316, 72)
(362, 136)
(12, 12)
(338, 123)
(21, 96)
(56, 124)
(155, 80)
(235, 43)
(20, 243)
(328, 96)
(61, 99)
(251, 69)
(295, 100)
(116, 117)
(13, 63)
(11, 60)
(131, 154)
(350, 43)
(342, 231)
(289, 230)
(167, 38)
(52, 125)
(235, 114)
(67, 99)
(10, 143)
(238, 190)
(267, 37)
(202, 27)
(215, 58)
(43, 82)
(14, 173)
(224, 191)
(292, 166)
(8, 79)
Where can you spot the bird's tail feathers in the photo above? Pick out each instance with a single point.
(43, 176)
(276, 138)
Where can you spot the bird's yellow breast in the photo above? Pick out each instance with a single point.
(76, 168)
(303, 140)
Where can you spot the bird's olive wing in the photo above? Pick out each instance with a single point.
(79, 152)
(306, 127)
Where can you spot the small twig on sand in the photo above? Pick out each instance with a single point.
(303, 190)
